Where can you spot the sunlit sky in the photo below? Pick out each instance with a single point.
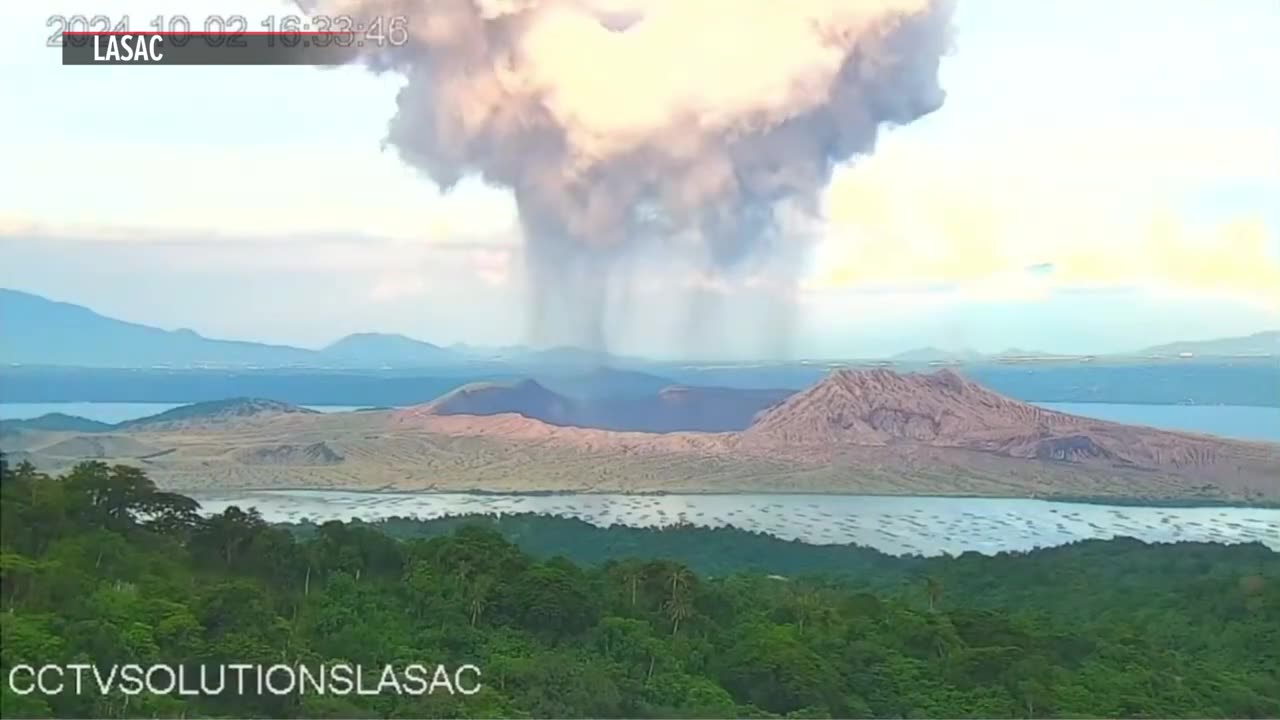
(1104, 175)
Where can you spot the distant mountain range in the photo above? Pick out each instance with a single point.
(37, 331)
(933, 354)
(378, 349)
(1263, 343)
(937, 355)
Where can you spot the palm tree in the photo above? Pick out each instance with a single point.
(678, 608)
(679, 579)
(807, 605)
(478, 590)
(933, 589)
(464, 570)
(632, 574)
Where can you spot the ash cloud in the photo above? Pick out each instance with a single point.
(664, 129)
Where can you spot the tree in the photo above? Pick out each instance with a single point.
(678, 607)
(18, 575)
(808, 605)
(170, 513)
(101, 569)
(933, 591)
(551, 600)
(115, 496)
(225, 535)
(772, 669)
(478, 598)
(24, 472)
(679, 579)
(632, 574)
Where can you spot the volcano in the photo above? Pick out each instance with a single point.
(857, 432)
(525, 397)
(879, 407)
(672, 408)
(945, 410)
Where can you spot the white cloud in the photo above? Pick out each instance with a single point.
(1099, 208)
(398, 286)
(138, 189)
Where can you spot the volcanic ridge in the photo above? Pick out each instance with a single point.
(943, 409)
(882, 418)
(855, 431)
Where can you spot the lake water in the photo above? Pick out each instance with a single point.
(1247, 423)
(114, 412)
(1234, 421)
(896, 525)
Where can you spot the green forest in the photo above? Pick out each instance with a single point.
(568, 620)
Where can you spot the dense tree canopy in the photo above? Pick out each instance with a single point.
(99, 566)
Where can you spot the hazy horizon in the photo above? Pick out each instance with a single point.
(959, 352)
(1066, 203)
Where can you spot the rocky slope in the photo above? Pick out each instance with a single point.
(214, 412)
(883, 408)
(871, 431)
(676, 408)
(525, 397)
(878, 407)
(935, 423)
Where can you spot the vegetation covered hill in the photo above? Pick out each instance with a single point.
(723, 551)
(98, 566)
(214, 411)
(55, 422)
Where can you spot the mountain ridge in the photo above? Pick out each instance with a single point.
(945, 410)
(672, 408)
(918, 420)
(1261, 343)
(214, 411)
(874, 407)
(54, 422)
(41, 331)
(37, 330)
(526, 397)
(372, 349)
(855, 431)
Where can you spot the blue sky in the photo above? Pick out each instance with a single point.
(1103, 175)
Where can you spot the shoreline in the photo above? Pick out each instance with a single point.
(1273, 405)
(1068, 500)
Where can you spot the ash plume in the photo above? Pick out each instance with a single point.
(670, 127)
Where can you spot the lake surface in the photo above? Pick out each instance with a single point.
(896, 525)
(114, 412)
(1247, 423)
(1234, 421)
